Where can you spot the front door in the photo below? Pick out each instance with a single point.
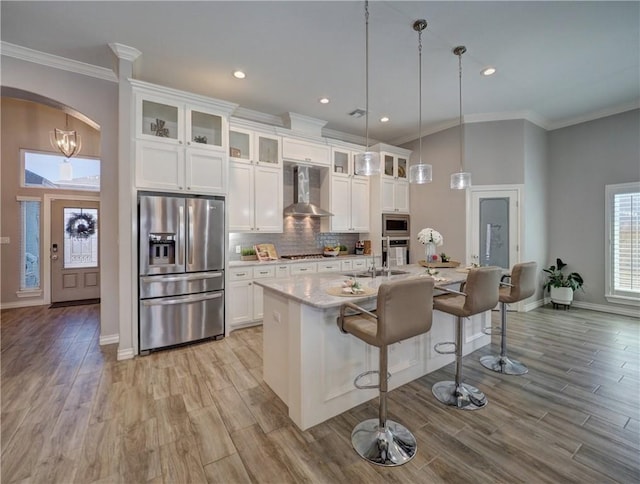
(75, 261)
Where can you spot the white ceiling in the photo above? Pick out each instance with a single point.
(558, 62)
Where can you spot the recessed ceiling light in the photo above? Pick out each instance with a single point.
(384, 119)
(488, 71)
(323, 100)
(239, 74)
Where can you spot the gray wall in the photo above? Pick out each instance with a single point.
(533, 243)
(435, 205)
(98, 100)
(583, 159)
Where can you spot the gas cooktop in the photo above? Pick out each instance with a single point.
(302, 256)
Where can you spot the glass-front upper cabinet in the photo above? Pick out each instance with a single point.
(342, 162)
(395, 166)
(204, 128)
(178, 123)
(247, 146)
(159, 120)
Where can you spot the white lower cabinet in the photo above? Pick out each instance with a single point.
(245, 297)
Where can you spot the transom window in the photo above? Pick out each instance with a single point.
(55, 172)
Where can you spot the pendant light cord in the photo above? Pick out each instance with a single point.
(460, 52)
(420, 94)
(366, 89)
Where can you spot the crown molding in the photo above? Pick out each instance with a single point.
(124, 51)
(57, 62)
(620, 108)
(257, 116)
(506, 116)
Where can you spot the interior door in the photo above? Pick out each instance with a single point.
(494, 226)
(75, 253)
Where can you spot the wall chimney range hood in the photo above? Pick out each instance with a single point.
(301, 207)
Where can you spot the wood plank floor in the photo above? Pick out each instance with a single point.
(72, 413)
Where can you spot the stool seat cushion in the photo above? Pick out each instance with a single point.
(363, 327)
(481, 289)
(404, 309)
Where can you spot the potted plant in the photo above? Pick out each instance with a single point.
(343, 249)
(248, 253)
(560, 285)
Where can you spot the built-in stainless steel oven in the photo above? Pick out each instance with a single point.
(395, 225)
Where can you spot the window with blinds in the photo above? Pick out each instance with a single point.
(623, 221)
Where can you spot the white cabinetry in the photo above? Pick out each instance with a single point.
(348, 194)
(180, 140)
(255, 198)
(394, 182)
(255, 181)
(306, 152)
(245, 297)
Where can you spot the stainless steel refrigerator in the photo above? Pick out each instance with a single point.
(181, 268)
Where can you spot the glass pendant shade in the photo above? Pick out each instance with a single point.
(460, 180)
(67, 142)
(420, 174)
(367, 163)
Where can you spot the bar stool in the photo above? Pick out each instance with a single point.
(404, 309)
(480, 295)
(523, 285)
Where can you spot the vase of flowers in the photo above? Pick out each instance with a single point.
(431, 239)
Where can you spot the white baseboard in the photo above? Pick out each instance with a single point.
(603, 308)
(125, 354)
(533, 305)
(634, 313)
(23, 304)
(109, 339)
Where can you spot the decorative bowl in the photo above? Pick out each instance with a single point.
(331, 253)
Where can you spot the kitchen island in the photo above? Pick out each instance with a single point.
(311, 365)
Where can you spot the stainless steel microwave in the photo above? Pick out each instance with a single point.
(395, 225)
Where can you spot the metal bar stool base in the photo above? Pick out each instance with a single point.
(464, 396)
(503, 364)
(391, 446)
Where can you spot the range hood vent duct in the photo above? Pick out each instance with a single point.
(301, 207)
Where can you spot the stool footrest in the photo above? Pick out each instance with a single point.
(367, 373)
(492, 330)
(437, 349)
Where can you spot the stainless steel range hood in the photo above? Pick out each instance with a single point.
(301, 207)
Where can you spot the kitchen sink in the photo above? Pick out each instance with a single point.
(379, 272)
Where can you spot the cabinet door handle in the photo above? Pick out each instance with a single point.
(189, 143)
(180, 142)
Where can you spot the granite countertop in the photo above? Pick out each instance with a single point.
(311, 289)
(244, 263)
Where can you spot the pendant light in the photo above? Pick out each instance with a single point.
(420, 173)
(67, 141)
(462, 179)
(367, 163)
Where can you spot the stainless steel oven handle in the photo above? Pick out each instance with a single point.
(187, 278)
(181, 300)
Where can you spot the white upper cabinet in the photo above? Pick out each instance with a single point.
(306, 152)
(348, 194)
(247, 146)
(180, 140)
(394, 182)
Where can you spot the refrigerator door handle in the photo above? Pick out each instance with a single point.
(180, 278)
(191, 234)
(181, 300)
(181, 238)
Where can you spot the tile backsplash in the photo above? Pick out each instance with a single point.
(300, 236)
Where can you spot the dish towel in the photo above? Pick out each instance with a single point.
(399, 255)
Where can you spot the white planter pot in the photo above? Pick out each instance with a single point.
(562, 295)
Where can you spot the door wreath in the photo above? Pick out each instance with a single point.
(81, 226)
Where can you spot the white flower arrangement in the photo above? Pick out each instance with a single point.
(430, 235)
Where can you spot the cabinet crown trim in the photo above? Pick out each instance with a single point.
(182, 96)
